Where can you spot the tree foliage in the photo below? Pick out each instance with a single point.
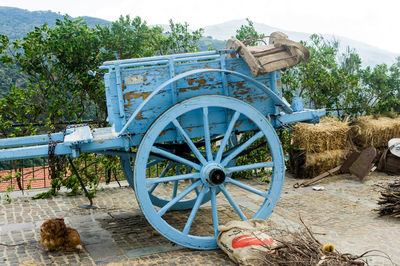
(248, 34)
(129, 38)
(335, 81)
(56, 61)
(17, 23)
(179, 40)
(382, 88)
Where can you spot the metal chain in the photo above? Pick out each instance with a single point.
(52, 147)
(56, 163)
(77, 125)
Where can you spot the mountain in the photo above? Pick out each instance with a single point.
(369, 54)
(16, 22)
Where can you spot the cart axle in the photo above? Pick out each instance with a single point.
(213, 174)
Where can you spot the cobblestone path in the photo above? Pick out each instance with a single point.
(117, 233)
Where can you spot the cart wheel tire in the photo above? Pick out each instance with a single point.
(213, 172)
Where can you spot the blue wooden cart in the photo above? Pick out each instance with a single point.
(191, 114)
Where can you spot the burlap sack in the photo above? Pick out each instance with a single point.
(243, 241)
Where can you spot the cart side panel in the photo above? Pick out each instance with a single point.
(239, 65)
(199, 84)
(137, 85)
(138, 82)
(247, 92)
(113, 112)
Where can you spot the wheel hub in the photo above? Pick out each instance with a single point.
(213, 174)
(216, 177)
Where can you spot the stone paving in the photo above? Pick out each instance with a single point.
(116, 233)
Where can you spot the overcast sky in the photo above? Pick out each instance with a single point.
(370, 21)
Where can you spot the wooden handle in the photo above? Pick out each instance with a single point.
(317, 178)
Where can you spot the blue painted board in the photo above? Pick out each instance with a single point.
(139, 80)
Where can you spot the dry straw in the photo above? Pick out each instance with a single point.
(309, 165)
(367, 131)
(329, 134)
(389, 201)
(301, 248)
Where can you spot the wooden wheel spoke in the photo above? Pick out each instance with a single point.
(196, 189)
(154, 162)
(233, 203)
(249, 167)
(163, 173)
(175, 158)
(177, 172)
(207, 134)
(194, 210)
(227, 136)
(189, 142)
(241, 148)
(214, 211)
(151, 181)
(186, 191)
(247, 187)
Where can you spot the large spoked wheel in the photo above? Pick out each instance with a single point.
(209, 170)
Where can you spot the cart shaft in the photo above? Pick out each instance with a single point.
(31, 140)
(76, 141)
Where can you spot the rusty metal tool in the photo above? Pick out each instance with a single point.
(363, 164)
(319, 177)
(359, 164)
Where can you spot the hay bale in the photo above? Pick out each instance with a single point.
(329, 134)
(309, 165)
(367, 131)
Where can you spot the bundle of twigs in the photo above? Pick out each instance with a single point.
(302, 248)
(390, 200)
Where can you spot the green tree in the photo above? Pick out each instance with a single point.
(132, 38)
(338, 83)
(179, 40)
(248, 34)
(326, 79)
(129, 38)
(382, 88)
(350, 61)
(56, 61)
